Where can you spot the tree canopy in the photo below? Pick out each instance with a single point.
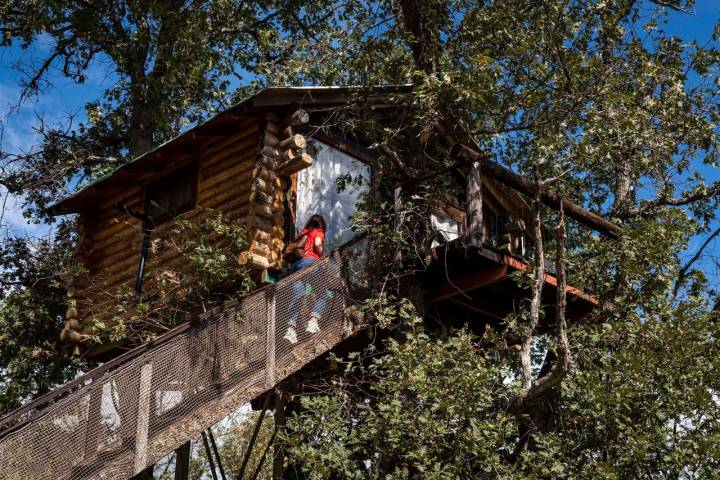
(593, 99)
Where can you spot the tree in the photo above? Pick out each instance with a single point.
(599, 103)
(32, 309)
(173, 63)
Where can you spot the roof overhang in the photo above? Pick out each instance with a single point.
(187, 144)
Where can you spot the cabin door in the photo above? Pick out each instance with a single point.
(317, 192)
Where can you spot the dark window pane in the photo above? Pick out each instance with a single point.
(172, 195)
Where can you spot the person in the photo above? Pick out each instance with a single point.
(315, 231)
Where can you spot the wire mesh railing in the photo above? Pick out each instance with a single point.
(117, 420)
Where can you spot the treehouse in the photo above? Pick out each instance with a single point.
(268, 164)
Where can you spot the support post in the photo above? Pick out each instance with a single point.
(217, 454)
(279, 454)
(209, 455)
(143, 418)
(397, 206)
(473, 192)
(260, 464)
(270, 343)
(253, 437)
(93, 424)
(182, 462)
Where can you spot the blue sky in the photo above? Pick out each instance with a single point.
(65, 98)
(53, 105)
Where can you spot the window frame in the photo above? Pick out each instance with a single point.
(166, 181)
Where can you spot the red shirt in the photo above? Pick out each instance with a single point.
(312, 234)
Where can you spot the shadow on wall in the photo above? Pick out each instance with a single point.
(317, 192)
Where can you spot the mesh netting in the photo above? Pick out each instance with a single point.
(119, 424)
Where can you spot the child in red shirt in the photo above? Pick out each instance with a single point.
(315, 232)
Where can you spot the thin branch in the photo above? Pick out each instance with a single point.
(682, 274)
(671, 6)
(686, 198)
(537, 288)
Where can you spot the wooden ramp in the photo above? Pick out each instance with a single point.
(124, 416)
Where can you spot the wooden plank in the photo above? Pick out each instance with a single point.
(270, 339)
(143, 417)
(474, 201)
(458, 286)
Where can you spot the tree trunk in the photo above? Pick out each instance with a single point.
(140, 131)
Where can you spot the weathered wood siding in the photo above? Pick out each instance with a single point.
(110, 240)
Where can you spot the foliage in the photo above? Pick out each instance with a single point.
(206, 275)
(32, 312)
(610, 109)
(233, 437)
(617, 115)
(171, 64)
(432, 407)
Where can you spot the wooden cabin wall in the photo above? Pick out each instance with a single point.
(283, 153)
(110, 240)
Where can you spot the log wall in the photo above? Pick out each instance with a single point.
(110, 241)
(281, 155)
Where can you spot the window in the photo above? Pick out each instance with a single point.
(172, 195)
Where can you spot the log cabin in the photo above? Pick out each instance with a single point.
(266, 164)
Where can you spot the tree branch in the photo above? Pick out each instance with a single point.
(683, 272)
(686, 198)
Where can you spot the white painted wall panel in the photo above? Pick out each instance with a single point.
(317, 192)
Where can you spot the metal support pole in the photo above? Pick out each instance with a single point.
(209, 455)
(147, 232)
(279, 453)
(182, 462)
(264, 455)
(253, 437)
(217, 453)
(147, 227)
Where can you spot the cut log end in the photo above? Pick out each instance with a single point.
(253, 260)
(295, 165)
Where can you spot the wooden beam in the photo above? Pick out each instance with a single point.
(523, 185)
(298, 117)
(143, 417)
(474, 201)
(551, 279)
(481, 309)
(458, 286)
(270, 341)
(295, 164)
